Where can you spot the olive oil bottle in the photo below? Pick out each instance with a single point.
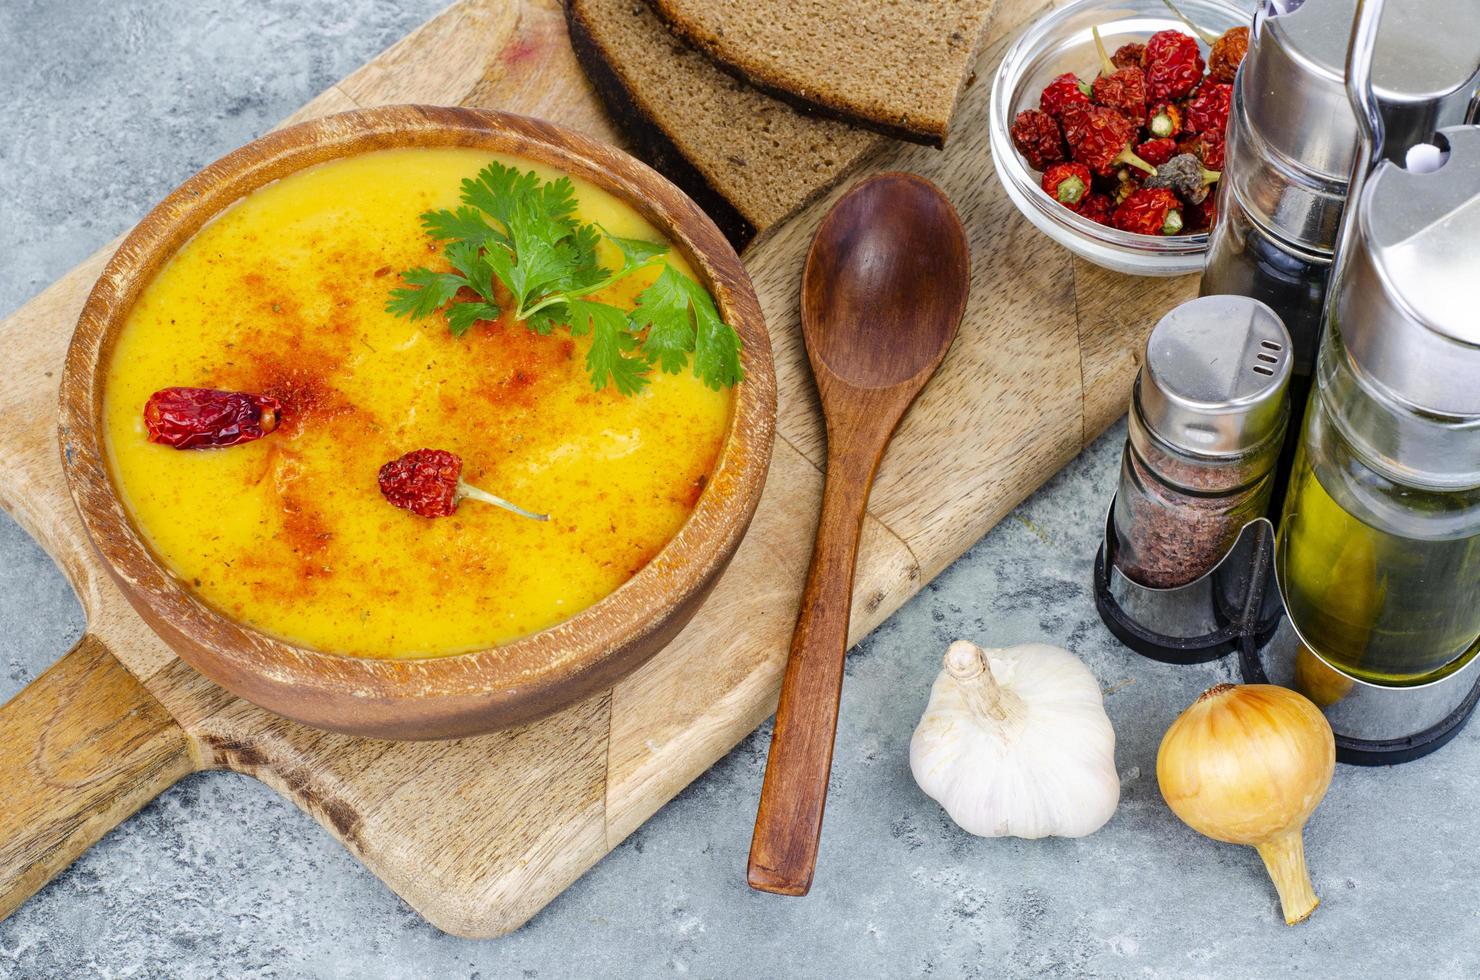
(1378, 553)
(1383, 581)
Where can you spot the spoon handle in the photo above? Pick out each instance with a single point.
(783, 851)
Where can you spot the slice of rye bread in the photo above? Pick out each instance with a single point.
(749, 160)
(897, 66)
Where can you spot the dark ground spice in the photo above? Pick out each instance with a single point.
(1175, 518)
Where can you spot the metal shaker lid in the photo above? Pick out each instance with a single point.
(1293, 136)
(1407, 308)
(1215, 375)
(1426, 65)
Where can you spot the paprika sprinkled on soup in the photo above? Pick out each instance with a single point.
(283, 299)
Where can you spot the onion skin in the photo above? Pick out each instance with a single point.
(1248, 764)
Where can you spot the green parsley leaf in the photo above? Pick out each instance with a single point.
(463, 225)
(545, 320)
(540, 258)
(462, 316)
(518, 229)
(428, 290)
(468, 259)
(717, 346)
(663, 308)
(635, 251)
(611, 356)
(680, 318)
(500, 261)
(498, 190)
(586, 271)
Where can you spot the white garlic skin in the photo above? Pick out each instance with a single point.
(1047, 769)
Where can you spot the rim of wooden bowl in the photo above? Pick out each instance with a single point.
(508, 684)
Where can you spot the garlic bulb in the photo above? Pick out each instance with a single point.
(1016, 743)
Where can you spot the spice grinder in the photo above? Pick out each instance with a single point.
(1207, 420)
(1292, 141)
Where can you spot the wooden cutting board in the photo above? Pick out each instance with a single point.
(479, 834)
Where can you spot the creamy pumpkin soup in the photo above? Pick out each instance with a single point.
(353, 332)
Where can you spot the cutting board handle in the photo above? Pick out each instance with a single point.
(82, 747)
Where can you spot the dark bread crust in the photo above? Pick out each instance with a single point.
(756, 75)
(652, 142)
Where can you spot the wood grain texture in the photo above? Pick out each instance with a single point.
(478, 834)
(85, 746)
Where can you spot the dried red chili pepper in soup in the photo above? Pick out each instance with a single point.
(423, 481)
(428, 482)
(208, 418)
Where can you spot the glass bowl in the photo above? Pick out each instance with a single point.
(1060, 41)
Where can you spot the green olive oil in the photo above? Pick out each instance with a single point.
(1391, 596)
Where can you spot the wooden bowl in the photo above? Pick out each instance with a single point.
(434, 697)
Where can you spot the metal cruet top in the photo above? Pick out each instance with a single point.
(1293, 136)
(1215, 374)
(1407, 309)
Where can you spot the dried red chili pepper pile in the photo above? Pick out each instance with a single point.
(1150, 106)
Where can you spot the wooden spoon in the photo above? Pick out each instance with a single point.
(882, 296)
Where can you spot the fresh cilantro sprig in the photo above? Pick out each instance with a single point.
(521, 231)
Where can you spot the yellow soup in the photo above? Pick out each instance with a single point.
(284, 294)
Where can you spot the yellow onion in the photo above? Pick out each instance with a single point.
(1248, 764)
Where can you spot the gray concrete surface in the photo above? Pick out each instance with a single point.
(107, 106)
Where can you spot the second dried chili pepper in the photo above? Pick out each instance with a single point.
(1158, 151)
(1228, 53)
(1207, 110)
(1097, 207)
(1064, 91)
(1186, 176)
(1174, 65)
(428, 482)
(1038, 138)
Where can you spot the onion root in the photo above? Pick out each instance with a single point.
(1284, 858)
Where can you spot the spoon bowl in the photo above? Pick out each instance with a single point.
(885, 283)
